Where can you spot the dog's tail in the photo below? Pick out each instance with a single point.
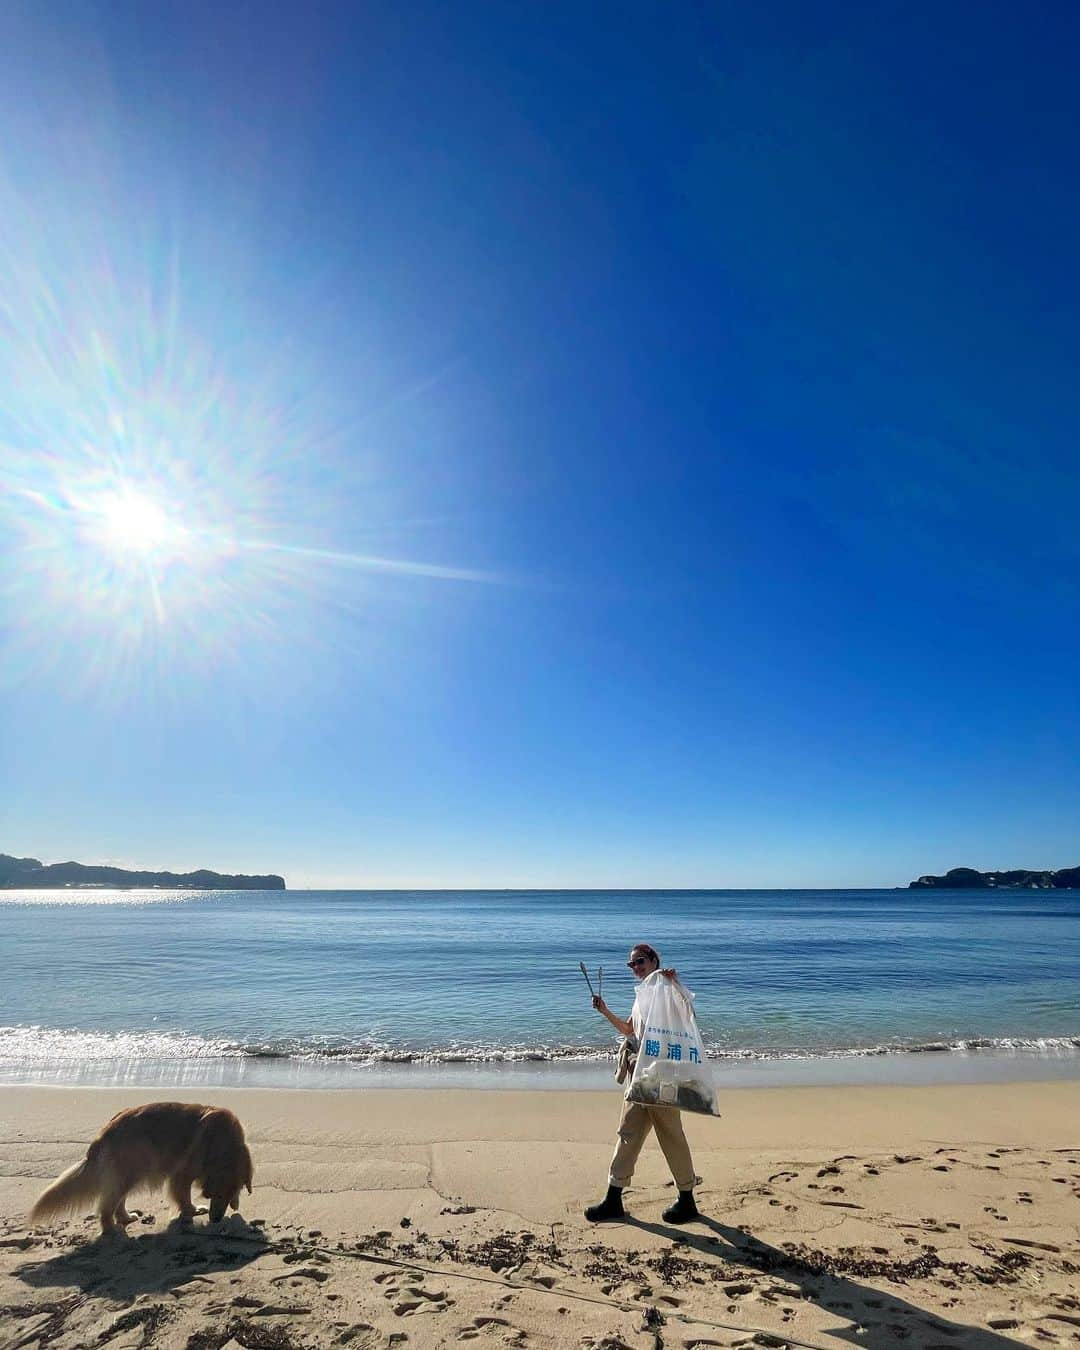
(71, 1189)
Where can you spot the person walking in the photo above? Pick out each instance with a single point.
(638, 1119)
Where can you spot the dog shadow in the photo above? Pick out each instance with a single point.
(119, 1266)
(881, 1320)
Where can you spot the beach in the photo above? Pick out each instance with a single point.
(927, 1216)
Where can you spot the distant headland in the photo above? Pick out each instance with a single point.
(32, 874)
(967, 879)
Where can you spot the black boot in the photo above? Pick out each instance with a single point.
(610, 1207)
(683, 1210)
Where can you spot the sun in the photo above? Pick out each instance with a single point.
(129, 522)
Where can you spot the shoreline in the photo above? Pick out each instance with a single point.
(924, 1066)
(870, 1215)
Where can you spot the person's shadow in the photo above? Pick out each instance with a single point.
(121, 1266)
(885, 1321)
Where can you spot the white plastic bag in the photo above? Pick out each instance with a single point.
(671, 1068)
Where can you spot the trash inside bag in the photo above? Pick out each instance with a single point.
(671, 1067)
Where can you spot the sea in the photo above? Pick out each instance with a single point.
(338, 989)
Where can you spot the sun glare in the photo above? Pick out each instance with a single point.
(132, 523)
(173, 470)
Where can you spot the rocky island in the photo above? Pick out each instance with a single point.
(967, 879)
(32, 874)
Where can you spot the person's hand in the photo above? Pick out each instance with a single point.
(670, 974)
(599, 1004)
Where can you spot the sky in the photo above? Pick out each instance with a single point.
(562, 445)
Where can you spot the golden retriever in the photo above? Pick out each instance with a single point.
(178, 1143)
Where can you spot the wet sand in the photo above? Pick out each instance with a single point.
(880, 1216)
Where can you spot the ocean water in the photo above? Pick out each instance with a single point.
(363, 987)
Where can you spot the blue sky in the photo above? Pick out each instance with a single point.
(556, 445)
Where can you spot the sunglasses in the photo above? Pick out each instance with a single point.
(638, 961)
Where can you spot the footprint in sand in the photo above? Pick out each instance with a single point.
(410, 1297)
(304, 1273)
(489, 1324)
(361, 1336)
(533, 1273)
(415, 1300)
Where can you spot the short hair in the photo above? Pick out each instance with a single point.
(650, 952)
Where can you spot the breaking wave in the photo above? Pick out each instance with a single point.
(43, 1046)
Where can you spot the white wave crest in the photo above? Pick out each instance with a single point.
(50, 1045)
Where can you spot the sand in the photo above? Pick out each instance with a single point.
(943, 1216)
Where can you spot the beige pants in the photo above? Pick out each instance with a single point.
(637, 1121)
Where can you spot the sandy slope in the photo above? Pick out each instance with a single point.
(923, 1217)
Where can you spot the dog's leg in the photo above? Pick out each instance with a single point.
(180, 1190)
(120, 1214)
(110, 1205)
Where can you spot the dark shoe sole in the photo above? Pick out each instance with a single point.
(668, 1217)
(605, 1218)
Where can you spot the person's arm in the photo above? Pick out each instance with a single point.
(623, 1028)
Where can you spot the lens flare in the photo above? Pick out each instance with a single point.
(184, 485)
(130, 522)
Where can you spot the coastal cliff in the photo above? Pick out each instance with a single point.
(967, 879)
(32, 874)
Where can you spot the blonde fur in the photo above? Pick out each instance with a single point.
(71, 1190)
(173, 1143)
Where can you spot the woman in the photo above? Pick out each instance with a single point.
(638, 1120)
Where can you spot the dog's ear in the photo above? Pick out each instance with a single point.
(213, 1149)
